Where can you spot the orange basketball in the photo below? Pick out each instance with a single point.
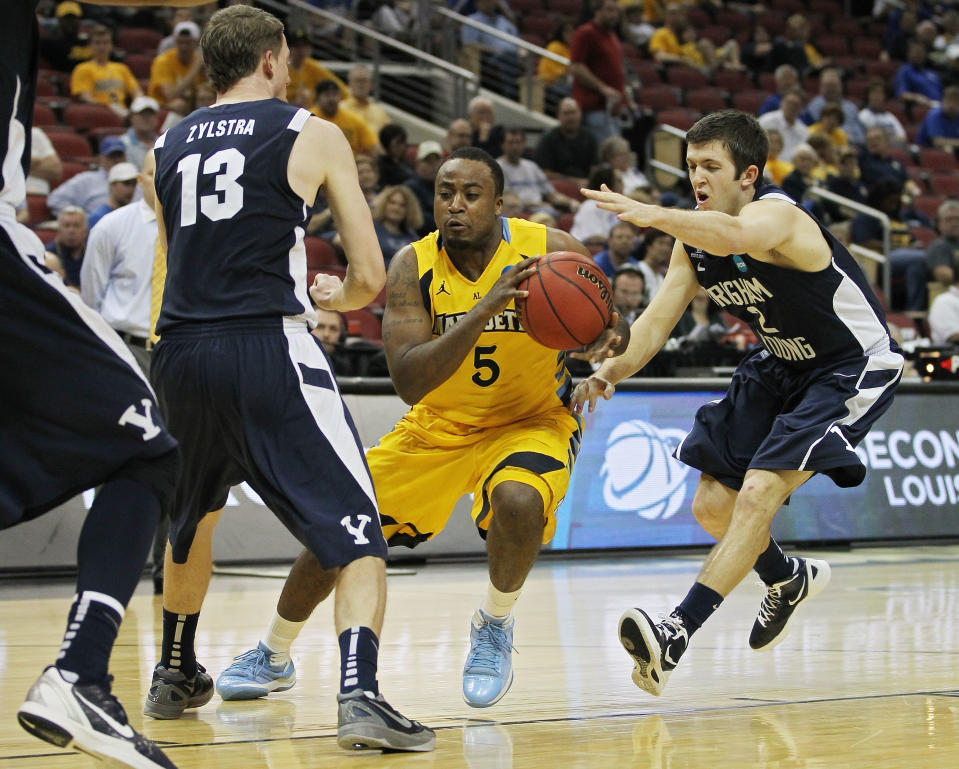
(570, 301)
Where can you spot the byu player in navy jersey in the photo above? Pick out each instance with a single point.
(55, 350)
(245, 387)
(798, 405)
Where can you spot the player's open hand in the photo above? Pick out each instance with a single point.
(627, 209)
(326, 289)
(505, 289)
(589, 391)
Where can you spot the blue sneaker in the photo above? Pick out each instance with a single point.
(253, 675)
(488, 672)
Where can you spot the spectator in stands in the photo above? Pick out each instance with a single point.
(940, 126)
(942, 255)
(567, 151)
(391, 165)
(429, 155)
(620, 250)
(786, 78)
(846, 181)
(368, 176)
(830, 120)
(396, 218)
(142, 133)
(331, 331)
(459, 133)
(175, 74)
(526, 178)
(45, 165)
(616, 152)
(179, 14)
(487, 133)
(946, 44)
(944, 317)
(359, 102)
(915, 82)
(786, 120)
(555, 76)
(702, 53)
(794, 47)
(592, 224)
(901, 28)
(757, 51)
(306, 72)
(826, 155)
(392, 20)
(70, 45)
(89, 189)
(657, 250)
(665, 45)
(513, 206)
(70, 242)
(327, 106)
(599, 78)
(499, 59)
(101, 81)
(776, 168)
(906, 256)
(795, 184)
(874, 112)
(876, 162)
(121, 185)
(629, 292)
(701, 323)
(830, 90)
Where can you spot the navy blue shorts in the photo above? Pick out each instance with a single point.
(74, 405)
(256, 401)
(776, 418)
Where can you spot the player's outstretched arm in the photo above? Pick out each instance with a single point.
(418, 362)
(647, 334)
(322, 156)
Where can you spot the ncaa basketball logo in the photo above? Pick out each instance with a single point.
(639, 474)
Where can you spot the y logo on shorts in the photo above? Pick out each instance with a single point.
(145, 421)
(359, 538)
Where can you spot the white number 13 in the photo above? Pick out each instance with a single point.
(214, 207)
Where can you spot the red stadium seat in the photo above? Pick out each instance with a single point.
(924, 235)
(648, 72)
(832, 45)
(678, 118)
(46, 89)
(568, 188)
(658, 97)
(86, 116)
(935, 159)
(565, 222)
(138, 39)
(928, 205)
(363, 323)
(319, 253)
(707, 99)
(43, 116)
(944, 184)
(45, 234)
(749, 101)
(70, 145)
(732, 80)
(139, 64)
(686, 77)
(37, 206)
(71, 168)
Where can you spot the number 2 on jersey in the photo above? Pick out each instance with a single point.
(214, 207)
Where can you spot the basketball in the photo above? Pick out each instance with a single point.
(570, 301)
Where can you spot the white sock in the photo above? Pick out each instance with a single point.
(498, 604)
(281, 635)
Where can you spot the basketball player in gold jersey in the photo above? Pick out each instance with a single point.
(488, 417)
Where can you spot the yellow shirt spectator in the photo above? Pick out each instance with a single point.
(372, 114)
(167, 70)
(361, 138)
(303, 81)
(108, 83)
(777, 169)
(550, 71)
(837, 136)
(664, 40)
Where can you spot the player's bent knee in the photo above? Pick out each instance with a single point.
(157, 473)
(517, 504)
(710, 516)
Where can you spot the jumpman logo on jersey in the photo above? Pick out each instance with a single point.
(443, 289)
(144, 421)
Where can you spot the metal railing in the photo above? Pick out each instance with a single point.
(404, 76)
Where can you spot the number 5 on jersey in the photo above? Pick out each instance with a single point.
(487, 369)
(229, 198)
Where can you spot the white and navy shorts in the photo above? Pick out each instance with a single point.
(255, 400)
(776, 418)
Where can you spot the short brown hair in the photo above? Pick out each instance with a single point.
(235, 40)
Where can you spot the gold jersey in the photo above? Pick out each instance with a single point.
(507, 377)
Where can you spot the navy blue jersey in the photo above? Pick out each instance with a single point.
(18, 83)
(234, 226)
(806, 319)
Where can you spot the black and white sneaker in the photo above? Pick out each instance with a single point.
(783, 598)
(171, 692)
(366, 722)
(654, 646)
(88, 718)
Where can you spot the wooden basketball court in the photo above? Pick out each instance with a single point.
(869, 676)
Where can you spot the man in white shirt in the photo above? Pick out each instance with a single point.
(116, 275)
(786, 121)
(944, 317)
(139, 138)
(527, 179)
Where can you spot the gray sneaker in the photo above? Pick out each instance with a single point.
(369, 722)
(171, 692)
